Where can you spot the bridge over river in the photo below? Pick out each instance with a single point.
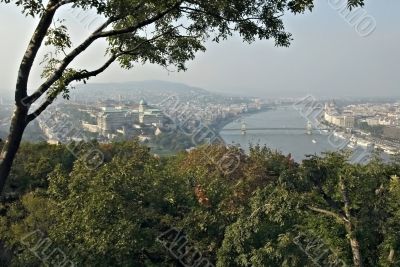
(309, 129)
(265, 129)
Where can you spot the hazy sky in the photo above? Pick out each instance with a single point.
(327, 57)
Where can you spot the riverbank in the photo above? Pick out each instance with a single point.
(220, 125)
(294, 141)
(356, 139)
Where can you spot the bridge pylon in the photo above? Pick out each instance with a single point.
(309, 128)
(243, 128)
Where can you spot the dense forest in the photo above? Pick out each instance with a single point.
(139, 209)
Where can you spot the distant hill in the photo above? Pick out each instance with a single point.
(6, 96)
(134, 90)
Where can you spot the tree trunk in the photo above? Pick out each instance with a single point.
(350, 228)
(12, 143)
(391, 256)
(19, 120)
(355, 246)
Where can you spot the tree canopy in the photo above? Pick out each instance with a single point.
(142, 210)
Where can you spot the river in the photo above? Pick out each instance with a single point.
(296, 142)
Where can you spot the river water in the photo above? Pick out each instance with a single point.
(296, 142)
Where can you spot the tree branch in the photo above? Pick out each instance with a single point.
(31, 52)
(140, 24)
(87, 74)
(187, 9)
(345, 197)
(66, 61)
(78, 76)
(63, 2)
(99, 33)
(339, 217)
(154, 38)
(331, 203)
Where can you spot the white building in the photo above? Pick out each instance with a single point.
(118, 119)
(111, 119)
(150, 116)
(340, 120)
(372, 121)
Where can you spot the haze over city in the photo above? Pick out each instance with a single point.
(326, 58)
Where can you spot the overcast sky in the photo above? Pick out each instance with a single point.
(327, 57)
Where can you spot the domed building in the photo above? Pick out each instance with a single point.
(123, 120)
(142, 106)
(149, 115)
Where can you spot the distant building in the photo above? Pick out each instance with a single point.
(150, 116)
(348, 122)
(340, 120)
(142, 106)
(374, 121)
(93, 128)
(110, 119)
(332, 116)
(120, 120)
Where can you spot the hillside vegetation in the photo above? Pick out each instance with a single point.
(137, 209)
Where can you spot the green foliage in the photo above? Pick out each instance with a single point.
(58, 37)
(34, 162)
(252, 216)
(174, 141)
(29, 7)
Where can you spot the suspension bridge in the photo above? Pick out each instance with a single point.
(244, 129)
